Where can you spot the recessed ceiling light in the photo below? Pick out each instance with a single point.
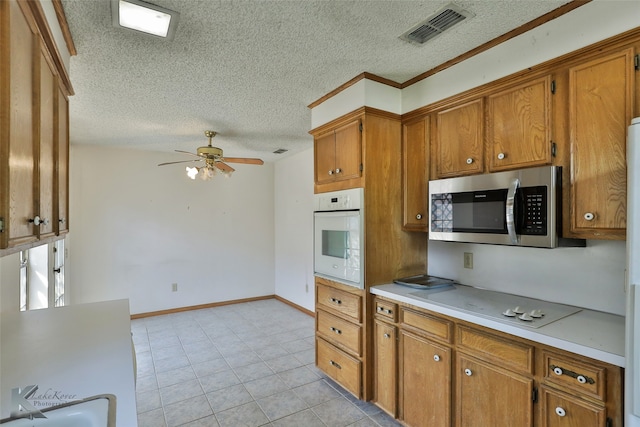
(144, 17)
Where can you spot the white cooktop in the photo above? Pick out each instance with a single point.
(528, 312)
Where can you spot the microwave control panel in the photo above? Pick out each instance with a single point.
(534, 203)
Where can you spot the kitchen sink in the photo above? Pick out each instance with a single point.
(95, 411)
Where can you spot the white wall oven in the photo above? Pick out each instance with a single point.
(339, 236)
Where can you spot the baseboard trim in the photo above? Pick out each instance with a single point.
(296, 306)
(199, 307)
(220, 304)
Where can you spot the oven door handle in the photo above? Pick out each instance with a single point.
(510, 211)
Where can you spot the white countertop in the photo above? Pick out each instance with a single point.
(70, 353)
(589, 333)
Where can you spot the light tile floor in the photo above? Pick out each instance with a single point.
(248, 364)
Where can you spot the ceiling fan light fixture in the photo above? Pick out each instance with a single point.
(144, 17)
(192, 172)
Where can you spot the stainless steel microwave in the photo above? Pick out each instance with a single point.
(520, 208)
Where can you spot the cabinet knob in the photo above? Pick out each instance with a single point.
(581, 379)
(338, 170)
(560, 412)
(468, 372)
(36, 220)
(557, 370)
(437, 358)
(62, 220)
(501, 156)
(419, 216)
(589, 216)
(330, 172)
(469, 160)
(387, 336)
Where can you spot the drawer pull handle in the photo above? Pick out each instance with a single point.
(335, 301)
(336, 330)
(384, 310)
(560, 412)
(332, 363)
(468, 372)
(437, 359)
(582, 379)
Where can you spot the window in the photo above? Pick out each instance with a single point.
(36, 276)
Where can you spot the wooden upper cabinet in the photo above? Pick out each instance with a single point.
(519, 126)
(415, 175)
(18, 155)
(460, 139)
(61, 201)
(600, 110)
(338, 154)
(47, 95)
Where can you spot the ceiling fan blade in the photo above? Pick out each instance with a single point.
(187, 152)
(182, 161)
(224, 167)
(244, 160)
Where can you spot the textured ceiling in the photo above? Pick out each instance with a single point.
(248, 69)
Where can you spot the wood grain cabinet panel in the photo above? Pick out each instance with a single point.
(338, 302)
(488, 395)
(600, 109)
(425, 391)
(19, 115)
(47, 153)
(344, 369)
(415, 175)
(460, 140)
(564, 410)
(519, 126)
(385, 369)
(342, 332)
(338, 154)
(61, 208)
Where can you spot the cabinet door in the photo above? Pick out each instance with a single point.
(325, 157)
(425, 375)
(348, 151)
(460, 139)
(415, 175)
(563, 410)
(62, 172)
(46, 166)
(385, 354)
(519, 126)
(488, 395)
(18, 186)
(600, 109)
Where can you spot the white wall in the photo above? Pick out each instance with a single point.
(294, 229)
(137, 228)
(10, 283)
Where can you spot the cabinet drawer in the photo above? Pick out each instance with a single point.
(486, 346)
(576, 375)
(339, 301)
(386, 310)
(561, 409)
(344, 369)
(340, 331)
(432, 326)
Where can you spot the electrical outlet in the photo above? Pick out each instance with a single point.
(174, 287)
(468, 260)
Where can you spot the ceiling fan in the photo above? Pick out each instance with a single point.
(214, 161)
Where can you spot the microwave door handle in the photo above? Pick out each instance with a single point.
(510, 211)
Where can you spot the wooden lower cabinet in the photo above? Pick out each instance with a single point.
(386, 359)
(441, 371)
(488, 395)
(425, 391)
(345, 369)
(564, 410)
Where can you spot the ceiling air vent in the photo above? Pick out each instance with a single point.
(436, 24)
(280, 151)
